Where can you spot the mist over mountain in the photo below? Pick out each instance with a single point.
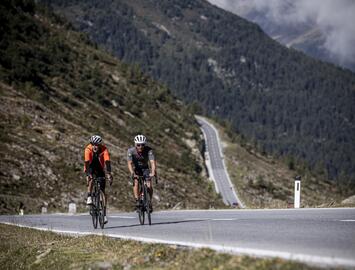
(323, 29)
(285, 103)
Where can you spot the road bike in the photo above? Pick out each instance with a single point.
(98, 203)
(145, 205)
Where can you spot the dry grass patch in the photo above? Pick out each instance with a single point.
(22, 248)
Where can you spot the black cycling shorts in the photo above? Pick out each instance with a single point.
(142, 172)
(102, 180)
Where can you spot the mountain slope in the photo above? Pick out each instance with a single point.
(56, 90)
(286, 103)
(318, 30)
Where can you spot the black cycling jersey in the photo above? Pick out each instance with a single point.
(140, 160)
(95, 166)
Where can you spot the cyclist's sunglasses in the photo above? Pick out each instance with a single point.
(140, 144)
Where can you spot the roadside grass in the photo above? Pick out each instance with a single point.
(23, 248)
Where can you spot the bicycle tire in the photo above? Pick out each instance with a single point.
(94, 216)
(94, 210)
(141, 216)
(147, 205)
(140, 211)
(101, 210)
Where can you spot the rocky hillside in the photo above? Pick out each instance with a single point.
(56, 90)
(285, 103)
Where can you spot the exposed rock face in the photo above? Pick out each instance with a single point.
(350, 200)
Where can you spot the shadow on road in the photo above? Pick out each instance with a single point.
(157, 223)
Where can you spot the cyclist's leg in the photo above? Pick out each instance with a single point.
(138, 172)
(89, 190)
(89, 187)
(149, 182)
(135, 189)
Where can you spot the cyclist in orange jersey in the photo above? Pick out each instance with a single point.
(97, 158)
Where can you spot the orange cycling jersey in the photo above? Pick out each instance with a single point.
(103, 155)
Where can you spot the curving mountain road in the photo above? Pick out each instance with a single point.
(316, 236)
(215, 164)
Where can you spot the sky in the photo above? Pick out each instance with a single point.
(335, 19)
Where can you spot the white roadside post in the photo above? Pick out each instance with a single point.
(297, 192)
(72, 208)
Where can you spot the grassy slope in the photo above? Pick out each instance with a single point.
(56, 90)
(22, 248)
(266, 182)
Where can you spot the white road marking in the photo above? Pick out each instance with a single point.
(348, 220)
(224, 219)
(253, 210)
(206, 219)
(127, 217)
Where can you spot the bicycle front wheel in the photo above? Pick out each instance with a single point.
(141, 214)
(93, 211)
(147, 206)
(101, 203)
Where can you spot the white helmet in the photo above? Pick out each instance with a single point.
(95, 140)
(140, 139)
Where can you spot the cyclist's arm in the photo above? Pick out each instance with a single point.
(130, 167)
(87, 169)
(130, 162)
(108, 166)
(153, 166)
(152, 161)
(107, 160)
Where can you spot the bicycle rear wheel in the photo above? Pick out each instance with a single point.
(101, 209)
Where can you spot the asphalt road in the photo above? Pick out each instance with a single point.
(318, 236)
(216, 166)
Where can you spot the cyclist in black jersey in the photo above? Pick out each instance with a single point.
(141, 162)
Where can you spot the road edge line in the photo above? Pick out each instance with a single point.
(260, 253)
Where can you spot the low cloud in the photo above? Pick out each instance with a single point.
(335, 19)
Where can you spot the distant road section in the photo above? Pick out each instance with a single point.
(215, 164)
